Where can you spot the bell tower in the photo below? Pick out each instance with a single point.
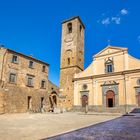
(72, 57)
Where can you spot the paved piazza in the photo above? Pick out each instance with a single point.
(38, 126)
(122, 128)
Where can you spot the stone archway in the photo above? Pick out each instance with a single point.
(84, 100)
(110, 99)
(53, 100)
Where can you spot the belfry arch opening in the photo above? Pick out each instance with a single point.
(69, 27)
(110, 99)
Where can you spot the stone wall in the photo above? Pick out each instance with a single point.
(119, 109)
(14, 97)
(2, 103)
(52, 88)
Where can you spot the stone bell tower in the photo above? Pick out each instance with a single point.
(72, 57)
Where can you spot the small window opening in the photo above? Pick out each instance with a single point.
(68, 61)
(30, 81)
(43, 68)
(31, 63)
(12, 78)
(15, 59)
(43, 84)
(69, 27)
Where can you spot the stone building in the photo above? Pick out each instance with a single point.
(24, 84)
(72, 59)
(110, 83)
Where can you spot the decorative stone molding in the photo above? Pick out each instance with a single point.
(137, 90)
(114, 88)
(110, 85)
(84, 93)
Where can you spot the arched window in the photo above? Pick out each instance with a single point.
(69, 26)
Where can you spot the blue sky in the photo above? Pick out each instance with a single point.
(34, 27)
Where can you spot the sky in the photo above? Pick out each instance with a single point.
(33, 27)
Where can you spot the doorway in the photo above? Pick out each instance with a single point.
(42, 102)
(29, 103)
(84, 100)
(110, 99)
(138, 99)
(110, 102)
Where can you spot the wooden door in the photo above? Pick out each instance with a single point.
(84, 100)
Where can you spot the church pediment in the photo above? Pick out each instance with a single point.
(106, 83)
(110, 50)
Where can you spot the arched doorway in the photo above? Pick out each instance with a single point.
(53, 100)
(84, 100)
(138, 99)
(110, 99)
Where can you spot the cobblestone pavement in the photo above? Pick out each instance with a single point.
(123, 128)
(36, 126)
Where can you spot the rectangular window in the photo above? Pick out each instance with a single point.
(109, 68)
(43, 68)
(15, 59)
(31, 64)
(30, 81)
(43, 84)
(12, 78)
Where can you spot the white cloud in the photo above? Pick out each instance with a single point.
(106, 21)
(113, 19)
(116, 20)
(124, 12)
(138, 38)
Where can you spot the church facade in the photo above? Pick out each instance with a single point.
(110, 83)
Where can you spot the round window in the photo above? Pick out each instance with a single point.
(85, 86)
